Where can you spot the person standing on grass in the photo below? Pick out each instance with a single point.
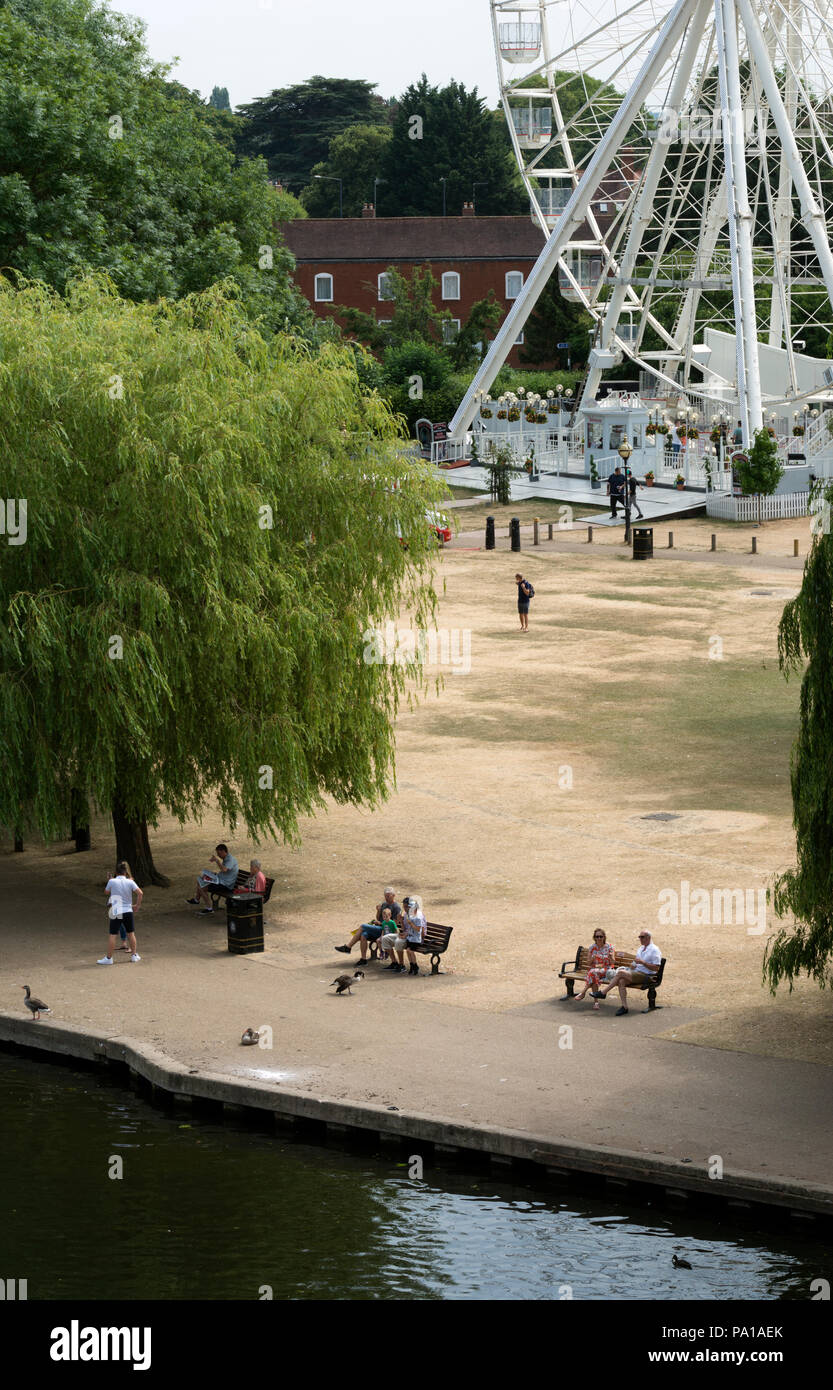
(616, 489)
(120, 890)
(525, 593)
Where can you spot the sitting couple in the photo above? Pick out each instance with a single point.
(397, 929)
(602, 969)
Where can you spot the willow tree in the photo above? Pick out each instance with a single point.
(213, 521)
(805, 634)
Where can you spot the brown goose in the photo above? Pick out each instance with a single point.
(345, 981)
(36, 1007)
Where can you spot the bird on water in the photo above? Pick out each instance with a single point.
(680, 1264)
(345, 981)
(36, 1007)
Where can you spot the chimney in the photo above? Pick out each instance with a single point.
(468, 210)
(368, 210)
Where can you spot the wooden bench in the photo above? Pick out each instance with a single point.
(577, 970)
(243, 877)
(435, 944)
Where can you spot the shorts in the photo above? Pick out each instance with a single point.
(392, 942)
(523, 607)
(121, 924)
(371, 932)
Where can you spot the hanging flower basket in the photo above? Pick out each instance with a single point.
(514, 414)
(487, 414)
(798, 431)
(650, 429)
(501, 415)
(715, 436)
(694, 434)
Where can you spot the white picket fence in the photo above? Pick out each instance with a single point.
(775, 508)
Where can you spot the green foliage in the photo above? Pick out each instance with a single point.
(147, 439)
(501, 469)
(416, 357)
(219, 99)
(806, 892)
(105, 163)
(355, 156)
(761, 474)
(480, 326)
(409, 312)
(293, 126)
(460, 141)
(555, 320)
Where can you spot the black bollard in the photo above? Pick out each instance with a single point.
(490, 533)
(515, 533)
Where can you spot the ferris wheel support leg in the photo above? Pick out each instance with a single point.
(750, 405)
(574, 213)
(811, 214)
(650, 183)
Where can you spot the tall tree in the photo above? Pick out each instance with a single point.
(104, 163)
(293, 126)
(805, 635)
(447, 132)
(213, 523)
(356, 157)
(555, 320)
(409, 312)
(219, 99)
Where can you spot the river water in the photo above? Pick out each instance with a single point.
(207, 1211)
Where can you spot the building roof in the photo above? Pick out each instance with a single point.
(413, 239)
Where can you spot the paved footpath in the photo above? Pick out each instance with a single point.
(402, 1042)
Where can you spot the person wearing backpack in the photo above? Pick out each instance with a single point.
(525, 593)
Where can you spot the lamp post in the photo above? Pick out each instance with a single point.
(376, 183)
(331, 178)
(624, 451)
(444, 181)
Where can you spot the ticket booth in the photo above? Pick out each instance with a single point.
(607, 422)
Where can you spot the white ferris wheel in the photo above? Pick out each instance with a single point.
(679, 157)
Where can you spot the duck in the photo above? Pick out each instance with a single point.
(36, 1007)
(680, 1264)
(345, 981)
(249, 1038)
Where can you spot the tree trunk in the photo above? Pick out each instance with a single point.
(18, 843)
(133, 845)
(80, 815)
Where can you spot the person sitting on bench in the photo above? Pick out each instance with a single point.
(646, 962)
(221, 882)
(600, 965)
(371, 931)
(256, 882)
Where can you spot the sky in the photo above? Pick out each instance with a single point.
(253, 46)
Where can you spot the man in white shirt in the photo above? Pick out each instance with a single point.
(646, 962)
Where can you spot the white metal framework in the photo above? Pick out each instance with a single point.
(679, 157)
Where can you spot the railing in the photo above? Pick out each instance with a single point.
(446, 450)
(785, 504)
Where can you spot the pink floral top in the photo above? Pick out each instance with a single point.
(602, 957)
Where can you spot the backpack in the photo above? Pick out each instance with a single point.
(530, 588)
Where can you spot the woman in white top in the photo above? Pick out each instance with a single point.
(120, 890)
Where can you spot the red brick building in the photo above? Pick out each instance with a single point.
(343, 260)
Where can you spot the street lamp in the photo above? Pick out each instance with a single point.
(624, 451)
(444, 181)
(331, 178)
(376, 183)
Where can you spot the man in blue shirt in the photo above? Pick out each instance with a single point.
(222, 882)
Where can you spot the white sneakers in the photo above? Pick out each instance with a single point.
(105, 960)
(134, 957)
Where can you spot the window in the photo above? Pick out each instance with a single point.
(451, 285)
(514, 283)
(451, 327)
(384, 289)
(602, 207)
(519, 340)
(323, 288)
